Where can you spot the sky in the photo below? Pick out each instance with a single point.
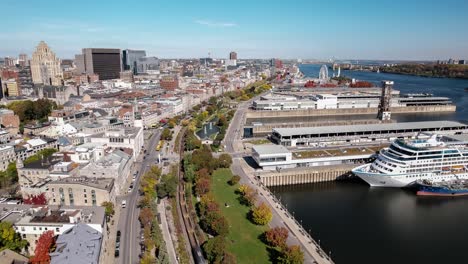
(307, 29)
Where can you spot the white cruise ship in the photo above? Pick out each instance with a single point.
(438, 158)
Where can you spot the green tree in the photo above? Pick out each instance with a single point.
(214, 249)
(109, 208)
(261, 215)
(167, 186)
(291, 255)
(42, 154)
(166, 134)
(224, 160)
(10, 239)
(234, 180)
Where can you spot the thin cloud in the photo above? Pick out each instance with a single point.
(215, 24)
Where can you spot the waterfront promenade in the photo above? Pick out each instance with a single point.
(281, 217)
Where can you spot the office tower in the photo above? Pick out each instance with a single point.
(147, 65)
(79, 64)
(45, 66)
(233, 55)
(23, 60)
(105, 63)
(130, 59)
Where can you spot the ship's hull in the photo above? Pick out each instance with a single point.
(429, 190)
(400, 180)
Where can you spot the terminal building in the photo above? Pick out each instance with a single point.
(383, 132)
(278, 157)
(343, 101)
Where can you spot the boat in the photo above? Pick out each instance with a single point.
(466, 89)
(443, 188)
(428, 157)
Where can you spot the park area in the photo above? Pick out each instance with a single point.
(243, 239)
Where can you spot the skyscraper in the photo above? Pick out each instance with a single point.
(23, 60)
(45, 66)
(130, 59)
(104, 62)
(233, 55)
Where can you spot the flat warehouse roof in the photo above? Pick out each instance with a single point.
(270, 149)
(285, 132)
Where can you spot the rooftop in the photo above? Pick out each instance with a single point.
(434, 125)
(270, 149)
(24, 214)
(80, 244)
(100, 183)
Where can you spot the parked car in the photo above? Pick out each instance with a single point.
(124, 203)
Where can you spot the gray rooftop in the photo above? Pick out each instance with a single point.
(433, 125)
(270, 149)
(23, 213)
(80, 244)
(99, 183)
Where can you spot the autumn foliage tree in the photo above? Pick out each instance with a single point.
(249, 195)
(202, 186)
(261, 215)
(36, 199)
(291, 255)
(276, 237)
(43, 246)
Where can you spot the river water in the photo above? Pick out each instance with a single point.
(359, 224)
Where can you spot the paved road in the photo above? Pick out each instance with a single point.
(129, 224)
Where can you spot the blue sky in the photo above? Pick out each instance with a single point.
(353, 29)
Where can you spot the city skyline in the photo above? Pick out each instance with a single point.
(302, 29)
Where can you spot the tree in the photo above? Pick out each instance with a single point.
(234, 180)
(146, 216)
(109, 208)
(261, 215)
(249, 195)
(42, 154)
(291, 255)
(9, 238)
(203, 173)
(219, 224)
(167, 186)
(43, 246)
(214, 249)
(276, 237)
(166, 134)
(39, 199)
(229, 258)
(202, 186)
(224, 160)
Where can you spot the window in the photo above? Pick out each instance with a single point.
(86, 201)
(57, 229)
(34, 228)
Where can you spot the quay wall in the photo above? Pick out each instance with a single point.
(307, 175)
(348, 111)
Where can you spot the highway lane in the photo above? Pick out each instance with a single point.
(129, 224)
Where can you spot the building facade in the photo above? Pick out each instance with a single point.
(106, 63)
(45, 66)
(130, 58)
(81, 191)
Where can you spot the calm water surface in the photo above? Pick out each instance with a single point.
(359, 224)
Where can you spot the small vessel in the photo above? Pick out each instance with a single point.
(442, 188)
(466, 89)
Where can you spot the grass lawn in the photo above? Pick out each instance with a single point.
(243, 239)
(259, 141)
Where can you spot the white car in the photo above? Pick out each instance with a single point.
(124, 203)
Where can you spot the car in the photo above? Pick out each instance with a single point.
(124, 203)
(130, 188)
(117, 252)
